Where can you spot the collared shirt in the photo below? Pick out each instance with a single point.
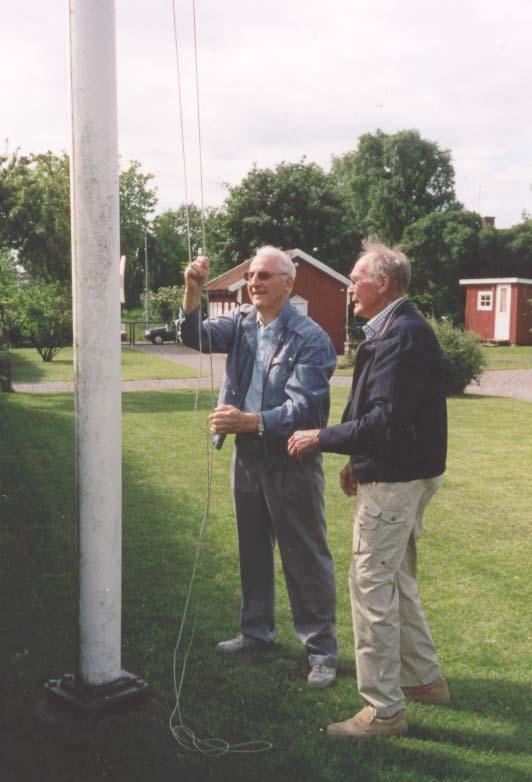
(296, 392)
(265, 336)
(375, 325)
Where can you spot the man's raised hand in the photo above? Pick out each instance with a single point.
(196, 276)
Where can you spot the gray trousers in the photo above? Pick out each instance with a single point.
(393, 644)
(279, 499)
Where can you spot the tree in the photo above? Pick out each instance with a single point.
(41, 313)
(443, 247)
(8, 289)
(519, 243)
(137, 202)
(8, 284)
(35, 212)
(164, 304)
(35, 215)
(168, 244)
(391, 181)
(292, 205)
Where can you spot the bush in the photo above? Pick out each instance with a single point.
(164, 303)
(464, 361)
(41, 313)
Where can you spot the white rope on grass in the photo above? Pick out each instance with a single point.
(184, 735)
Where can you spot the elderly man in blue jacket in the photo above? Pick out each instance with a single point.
(277, 380)
(394, 428)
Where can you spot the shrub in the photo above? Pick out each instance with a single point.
(464, 361)
(41, 313)
(164, 303)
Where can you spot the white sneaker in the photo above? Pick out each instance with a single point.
(321, 676)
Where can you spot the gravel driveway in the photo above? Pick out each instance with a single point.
(512, 383)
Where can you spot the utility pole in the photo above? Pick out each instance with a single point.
(99, 682)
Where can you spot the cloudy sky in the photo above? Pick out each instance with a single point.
(284, 79)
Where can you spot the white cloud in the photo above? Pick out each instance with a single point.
(286, 79)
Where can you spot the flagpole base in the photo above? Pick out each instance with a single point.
(67, 693)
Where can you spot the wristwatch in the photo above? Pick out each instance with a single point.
(261, 424)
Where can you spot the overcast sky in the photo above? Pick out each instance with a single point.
(286, 78)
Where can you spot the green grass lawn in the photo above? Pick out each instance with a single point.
(474, 577)
(508, 357)
(28, 367)
(503, 357)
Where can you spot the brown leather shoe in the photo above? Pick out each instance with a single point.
(434, 694)
(365, 725)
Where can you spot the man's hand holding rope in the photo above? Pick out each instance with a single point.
(196, 276)
(227, 419)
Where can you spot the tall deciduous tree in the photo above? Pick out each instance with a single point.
(137, 202)
(292, 205)
(443, 247)
(168, 244)
(35, 215)
(35, 212)
(391, 181)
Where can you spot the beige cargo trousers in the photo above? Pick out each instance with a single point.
(393, 644)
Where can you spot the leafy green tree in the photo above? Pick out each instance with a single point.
(391, 181)
(35, 212)
(8, 284)
(137, 202)
(8, 289)
(168, 243)
(41, 313)
(291, 205)
(519, 243)
(167, 249)
(35, 215)
(164, 303)
(443, 247)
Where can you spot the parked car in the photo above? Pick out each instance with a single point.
(160, 334)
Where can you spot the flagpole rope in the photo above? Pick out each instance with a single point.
(185, 737)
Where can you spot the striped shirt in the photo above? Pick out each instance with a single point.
(375, 325)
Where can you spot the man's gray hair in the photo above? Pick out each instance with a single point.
(285, 262)
(381, 259)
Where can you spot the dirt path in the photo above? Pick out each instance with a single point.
(512, 383)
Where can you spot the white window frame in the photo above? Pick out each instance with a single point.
(487, 304)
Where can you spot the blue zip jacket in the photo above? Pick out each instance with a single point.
(297, 367)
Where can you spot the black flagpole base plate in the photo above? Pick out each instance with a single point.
(69, 694)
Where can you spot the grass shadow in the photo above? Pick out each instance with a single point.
(27, 370)
(481, 738)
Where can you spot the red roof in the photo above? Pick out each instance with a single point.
(223, 281)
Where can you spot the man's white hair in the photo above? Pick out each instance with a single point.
(387, 260)
(285, 262)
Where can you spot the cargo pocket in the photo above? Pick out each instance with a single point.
(366, 523)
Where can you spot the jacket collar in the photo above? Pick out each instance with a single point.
(249, 324)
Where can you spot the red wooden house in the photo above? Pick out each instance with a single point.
(499, 309)
(319, 291)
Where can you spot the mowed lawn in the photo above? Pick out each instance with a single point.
(28, 367)
(474, 576)
(508, 357)
(501, 357)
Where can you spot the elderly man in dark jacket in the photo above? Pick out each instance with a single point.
(277, 380)
(394, 429)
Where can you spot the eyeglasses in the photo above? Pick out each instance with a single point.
(263, 276)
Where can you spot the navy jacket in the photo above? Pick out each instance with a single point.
(394, 426)
(296, 373)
